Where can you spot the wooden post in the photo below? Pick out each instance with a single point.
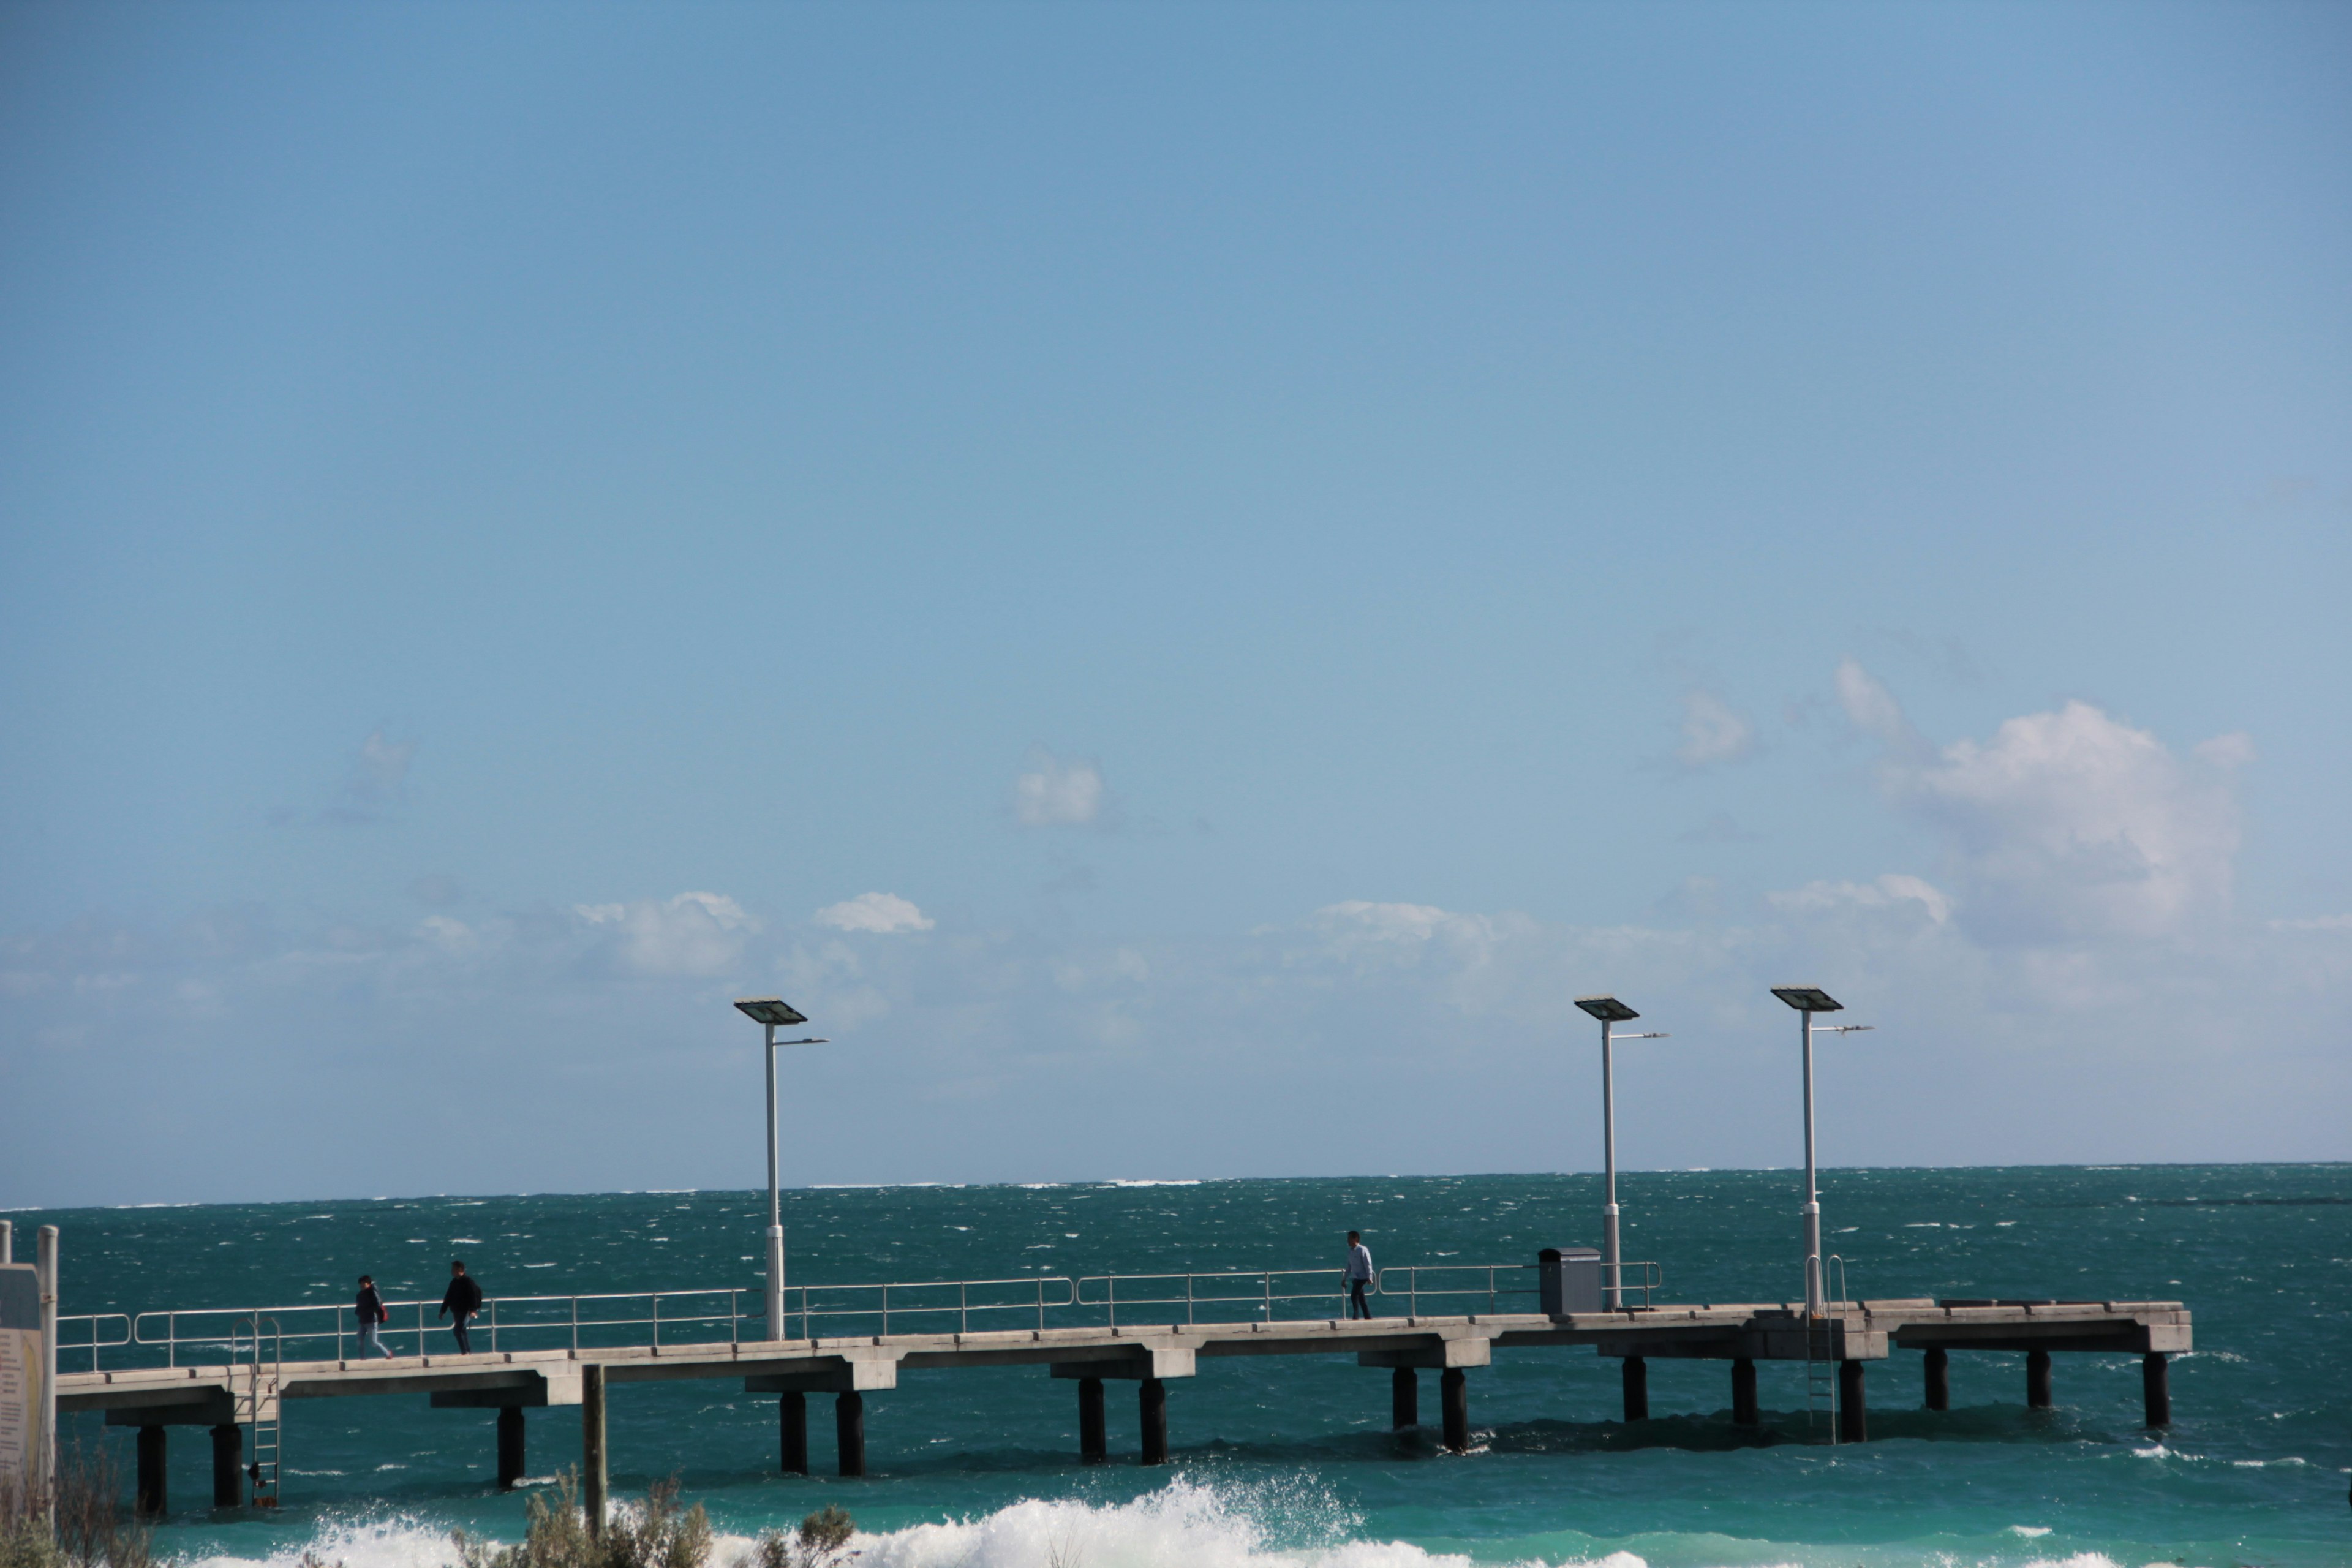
(849, 1430)
(792, 1429)
(2037, 1380)
(229, 1465)
(1453, 1404)
(2156, 1384)
(1404, 1399)
(1636, 1374)
(1743, 1393)
(511, 1446)
(592, 1479)
(1940, 1380)
(1854, 1410)
(1152, 1400)
(150, 1495)
(1093, 1434)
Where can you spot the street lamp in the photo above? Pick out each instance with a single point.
(1611, 1012)
(1809, 1000)
(772, 1012)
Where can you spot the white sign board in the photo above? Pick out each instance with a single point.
(21, 1363)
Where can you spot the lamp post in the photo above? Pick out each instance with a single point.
(1611, 1012)
(1809, 1000)
(770, 1013)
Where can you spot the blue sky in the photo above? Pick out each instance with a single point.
(1181, 577)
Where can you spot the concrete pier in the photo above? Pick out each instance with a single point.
(1453, 1407)
(1094, 1431)
(792, 1432)
(150, 1496)
(1404, 1399)
(1151, 1403)
(229, 1465)
(511, 1446)
(2156, 1387)
(1940, 1380)
(1854, 1410)
(849, 1430)
(1744, 1410)
(592, 1476)
(2037, 1380)
(1636, 1377)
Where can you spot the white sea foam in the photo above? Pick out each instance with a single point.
(1150, 1181)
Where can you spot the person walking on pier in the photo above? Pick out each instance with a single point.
(460, 1302)
(1360, 1275)
(370, 1311)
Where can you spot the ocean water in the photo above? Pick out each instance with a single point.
(1291, 1459)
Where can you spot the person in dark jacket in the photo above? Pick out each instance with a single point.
(369, 1311)
(460, 1302)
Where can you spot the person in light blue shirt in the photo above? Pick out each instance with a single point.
(1360, 1275)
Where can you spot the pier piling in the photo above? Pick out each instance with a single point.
(1940, 1380)
(849, 1430)
(1404, 1399)
(1093, 1434)
(1853, 1409)
(1636, 1373)
(1453, 1403)
(229, 1465)
(150, 1495)
(511, 1446)
(2156, 1386)
(791, 1431)
(592, 1448)
(2037, 1380)
(1152, 1400)
(1743, 1393)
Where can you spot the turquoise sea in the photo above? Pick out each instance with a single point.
(1290, 1460)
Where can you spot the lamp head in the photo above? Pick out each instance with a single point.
(1608, 1009)
(1809, 999)
(770, 1010)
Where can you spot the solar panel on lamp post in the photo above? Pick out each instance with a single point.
(1809, 1000)
(1611, 1012)
(772, 1012)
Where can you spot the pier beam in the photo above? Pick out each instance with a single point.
(1743, 1393)
(1404, 1399)
(1094, 1433)
(1853, 1409)
(229, 1465)
(849, 1430)
(149, 1499)
(592, 1479)
(2037, 1380)
(791, 1431)
(1940, 1380)
(511, 1446)
(2156, 1386)
(1151, 1401)
(1453, 1404)
(1636, 1373)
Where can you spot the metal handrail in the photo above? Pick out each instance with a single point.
(195, 1327)
(1264, 1298)
(1651, 1280)
(1039, 1301)
(93, 1344)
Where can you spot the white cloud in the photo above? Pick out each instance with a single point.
(881, 913)
(1885, 892)
(1712, 731)
(693, 933)
(1872, 709)
(1055, 793)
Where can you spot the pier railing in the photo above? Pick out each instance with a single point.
(733, 1315)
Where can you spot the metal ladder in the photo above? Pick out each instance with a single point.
(259, 1406)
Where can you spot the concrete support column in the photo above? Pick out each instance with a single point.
(1094, 1434)
(2156, 1384)
(1636, 1373)
(1854, 1410)
(1940, 1380)
(1151, 1401)
(791, 1431)
(1743, 1393)
(1404, 1399)
(593, 1478)
(2037, 1380)
(229, 1465)
(510, 1448)
(149, 1497)
(1453, 1405)
(849, 1431)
